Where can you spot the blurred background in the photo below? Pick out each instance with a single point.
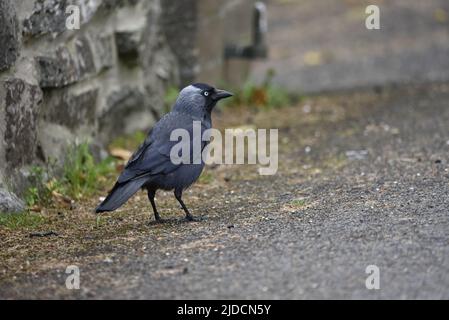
(324, 45)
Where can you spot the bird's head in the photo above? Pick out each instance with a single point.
(199, 98)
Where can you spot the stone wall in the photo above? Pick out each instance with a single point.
(104, 79)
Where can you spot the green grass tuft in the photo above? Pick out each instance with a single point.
(81, 176)
(298, 203)
(20, 220)
(40, 193)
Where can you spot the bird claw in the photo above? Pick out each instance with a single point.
(194, 219)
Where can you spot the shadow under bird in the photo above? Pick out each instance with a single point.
(151, 167)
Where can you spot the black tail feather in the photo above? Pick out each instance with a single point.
(120, 194)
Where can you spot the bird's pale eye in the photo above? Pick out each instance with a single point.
(206, 93)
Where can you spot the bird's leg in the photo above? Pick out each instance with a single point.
(151, 194)
(189, 217)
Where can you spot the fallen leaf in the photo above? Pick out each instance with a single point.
(120, 153)
(60, 197)
(36, 208)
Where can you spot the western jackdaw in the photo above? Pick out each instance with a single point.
(151, 166)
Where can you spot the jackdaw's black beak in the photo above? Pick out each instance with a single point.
(221, 94)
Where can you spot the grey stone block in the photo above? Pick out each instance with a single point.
(10, 203)
(125, 99)
(62, 68)
(58, 70)
(54, 140)
(104, 54)
(122, 104)
(49, 16)
(9, 48)
(22, 102)
(70, 110)
(84, 57)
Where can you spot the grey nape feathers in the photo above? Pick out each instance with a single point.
(150, 167)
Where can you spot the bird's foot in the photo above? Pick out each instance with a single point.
(191, 218)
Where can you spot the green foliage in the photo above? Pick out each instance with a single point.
(277, 97)
(265, 95)
(41, 190)
(81, 176)
(20, 220)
